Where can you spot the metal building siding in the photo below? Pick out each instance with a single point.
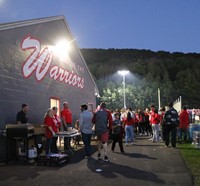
(16, 89)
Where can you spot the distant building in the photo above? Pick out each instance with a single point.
(34, 71)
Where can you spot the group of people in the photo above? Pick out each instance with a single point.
(172, 124)
(118, 125)
(159, 124)
(87, 119)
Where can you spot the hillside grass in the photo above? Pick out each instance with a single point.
(191, 155)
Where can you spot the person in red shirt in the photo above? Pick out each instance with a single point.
(56, 118)
(155, 120)
(151, 113)
(66, 116)
(51, 129)
(57, 122)
(184, 123)
(142, 127)
(129, 132)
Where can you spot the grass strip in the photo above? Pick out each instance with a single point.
(191, 155)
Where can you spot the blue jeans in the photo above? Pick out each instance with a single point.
(87, 140)
(129, 134)
(51, 146)
(155, 129)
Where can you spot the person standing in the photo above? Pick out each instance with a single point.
(193, 115)
(171, 121)
(151, 115)
(155, 119)
(162, 113)
(147, 122)
(22, 116)
(56, 117)
(141, 122)
(51, 130)
(103, 121)
(129, 123)
(66, 116)
(184, 123)
(57, 122)
(85, 127)
(117, 133)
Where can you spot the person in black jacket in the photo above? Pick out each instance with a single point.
(171, 121)
(117, 133)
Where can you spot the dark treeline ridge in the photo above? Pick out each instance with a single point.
(177, 74)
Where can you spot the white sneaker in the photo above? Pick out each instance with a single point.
(132, 143)
(126, 144)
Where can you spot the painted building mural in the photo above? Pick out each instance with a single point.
(35, 69)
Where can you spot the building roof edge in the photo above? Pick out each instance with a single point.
(6, 26)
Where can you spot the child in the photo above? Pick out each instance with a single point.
(117, 134)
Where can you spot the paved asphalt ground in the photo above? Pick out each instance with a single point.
(144, 163)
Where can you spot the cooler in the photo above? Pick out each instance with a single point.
(53, 159)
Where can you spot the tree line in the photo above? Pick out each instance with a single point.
(175, 74)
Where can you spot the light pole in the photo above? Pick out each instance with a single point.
(158, 98)
(123, 73)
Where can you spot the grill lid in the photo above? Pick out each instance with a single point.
(19, 126)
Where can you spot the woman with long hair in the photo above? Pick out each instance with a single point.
(129, 129)
(51, 129)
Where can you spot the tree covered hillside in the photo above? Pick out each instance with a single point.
(175, 74)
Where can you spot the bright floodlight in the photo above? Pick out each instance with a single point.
(63, 47)
(123, 72)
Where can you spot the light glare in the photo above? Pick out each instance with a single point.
(63, 47)
(123, 72)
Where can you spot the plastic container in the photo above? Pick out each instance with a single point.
(32, 153)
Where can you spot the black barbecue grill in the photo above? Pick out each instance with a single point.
(15, 134)
(19, 130)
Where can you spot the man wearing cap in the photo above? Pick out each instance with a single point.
(171, 121)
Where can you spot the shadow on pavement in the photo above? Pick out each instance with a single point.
(136, 155)
(20, 172)
(112, 170)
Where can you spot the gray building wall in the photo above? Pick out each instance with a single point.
(16, 89)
